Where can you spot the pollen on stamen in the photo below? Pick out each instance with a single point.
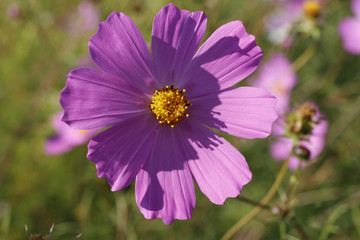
(169, 105)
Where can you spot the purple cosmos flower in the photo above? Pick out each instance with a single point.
(66, 138)
(349, 30)
(160, 134)
(277, 76)
(303, 139)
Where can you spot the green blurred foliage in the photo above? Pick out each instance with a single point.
(36, 53)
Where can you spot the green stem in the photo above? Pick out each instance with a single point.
(304, 58)
(298, 228)
(263, 202)
(326, 230)
(294, 182)
(252, 202)
(282, 228)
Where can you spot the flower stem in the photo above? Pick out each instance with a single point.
(282, 228)
(304, 58)
(298, 228)
(254, 203)
(263, 202)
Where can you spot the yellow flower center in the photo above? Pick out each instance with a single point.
(169, 105)
(312, 8)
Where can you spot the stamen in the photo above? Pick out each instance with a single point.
(169, 105)
(302, 120)
(306, 111)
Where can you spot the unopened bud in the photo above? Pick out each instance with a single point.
(302, 152)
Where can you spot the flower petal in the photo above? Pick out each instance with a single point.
(93, 99)
(244, 112)
(119, 48)
(317, 139)
(295, 162)
(350, 33)
(164, 187)
(355, 7)
(218, 168)
(67, 138)
(56, 145)
(229, 55)
(175, 38)
(279, 82)
(278, 128)
(120, 152)
(281, 148)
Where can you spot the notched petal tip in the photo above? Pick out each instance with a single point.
(63, 102)
(176, 35)
(108, 19)
(120, 152)
(222, 199)
(119, 49)
(171, 5)
(246, 112)
(99, 31)
(167, 220)
(274, 115)
(64, 119)
(227, 57)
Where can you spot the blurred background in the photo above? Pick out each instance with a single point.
(41, 41)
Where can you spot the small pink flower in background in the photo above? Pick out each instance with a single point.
(355, 7)
(279, 25)
(85, 19)
(12, 10)
(161, 107)
(277, 76)
(66, 138)
(301, 136)
(349, 30)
